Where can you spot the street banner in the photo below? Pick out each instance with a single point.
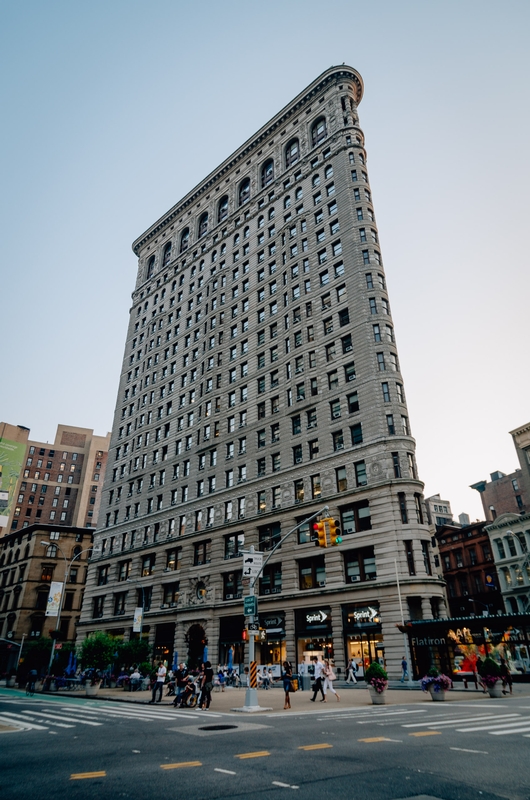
(11, 460)
(54, 599)
(137, 620)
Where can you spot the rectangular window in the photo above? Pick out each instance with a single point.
(312, 573)
(356, 518)
(359, 565)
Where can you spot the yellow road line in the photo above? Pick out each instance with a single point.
(376, 739)
(180, 764)
(425, 733)
(257, 754)
(79, 776)
(314, 746)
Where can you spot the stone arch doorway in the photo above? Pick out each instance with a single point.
(196, 641)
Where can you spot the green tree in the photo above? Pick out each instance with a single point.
(133, 652)
(97, 651)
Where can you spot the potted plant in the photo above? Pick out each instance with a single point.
(95, 655)
(490, 673)
(436, 683)
(377, 679)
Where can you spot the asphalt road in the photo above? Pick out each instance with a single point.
(51, 746)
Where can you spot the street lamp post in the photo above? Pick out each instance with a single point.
(67, 566)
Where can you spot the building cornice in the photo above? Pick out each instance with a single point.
(327, 77)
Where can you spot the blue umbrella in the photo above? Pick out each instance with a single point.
(70, 663)
(74, 665)
(175, 660)
(230, 658)
(205, 654)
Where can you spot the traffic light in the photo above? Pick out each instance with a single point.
(245, 636)
(320, 530)
(335, 533)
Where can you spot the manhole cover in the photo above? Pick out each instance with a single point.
(217, 727)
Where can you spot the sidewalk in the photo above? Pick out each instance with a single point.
(351, 697)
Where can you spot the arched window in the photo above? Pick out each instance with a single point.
(244, 191)
(267, 173)
(292, 153)
(319, 131)
(184, 240)
(203, 224)
(51, 551)
(222, 209)
(76, 551)
(167, 255)
(150, 268)
(287, 201)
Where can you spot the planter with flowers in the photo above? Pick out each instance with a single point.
(436, 683)
(377, 681)
(490, 674)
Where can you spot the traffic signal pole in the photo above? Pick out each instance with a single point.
(251, 694)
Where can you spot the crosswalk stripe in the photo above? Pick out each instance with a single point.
(495, 725)
(46, 720)
(22, 724)
(51, 715)
(516, 730)
(147, 715)
(459, 720)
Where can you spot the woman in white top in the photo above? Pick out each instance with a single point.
(329, 677)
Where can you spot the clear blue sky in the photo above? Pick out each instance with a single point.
(113, 110)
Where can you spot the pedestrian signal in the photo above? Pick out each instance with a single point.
(320, 530)
(335, 533)
(245, 636)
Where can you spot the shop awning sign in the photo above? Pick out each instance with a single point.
(368, 614)
(315, 617)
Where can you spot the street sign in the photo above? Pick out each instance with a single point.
(252, 563)
(253, 626)
(250, 606)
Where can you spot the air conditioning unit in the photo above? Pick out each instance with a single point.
(339, 446)
(335, 415)
(275, 591)
(164, 605)
(241, 516)
(266, 591)
(208, 525)
(322, 583)
(354, 578)
(298, 460)
(172, 605)
(229, 597)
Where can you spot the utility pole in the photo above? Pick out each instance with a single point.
(252, 561)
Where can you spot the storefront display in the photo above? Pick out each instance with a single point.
(363, 636)
(456, 646)
(313, 634)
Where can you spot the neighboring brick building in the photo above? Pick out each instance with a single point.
(261, 381)
(468, 567)
(509, 494)
(27, 568)
(60, 484)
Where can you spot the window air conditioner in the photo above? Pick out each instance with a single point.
(354, 578)
(266, 591)
(275, 591)
(173, 604)
(229, 597)
(164, 605)
(322, 583)
(298, 460)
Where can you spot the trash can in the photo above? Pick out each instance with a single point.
(306, 682)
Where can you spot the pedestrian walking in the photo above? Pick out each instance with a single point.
(181, 680)
(506, 677)
(318, 684)
(206, 686)
(287, 675)
(352, 671)
(404, 669)
(158, 686)
(329, 677)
